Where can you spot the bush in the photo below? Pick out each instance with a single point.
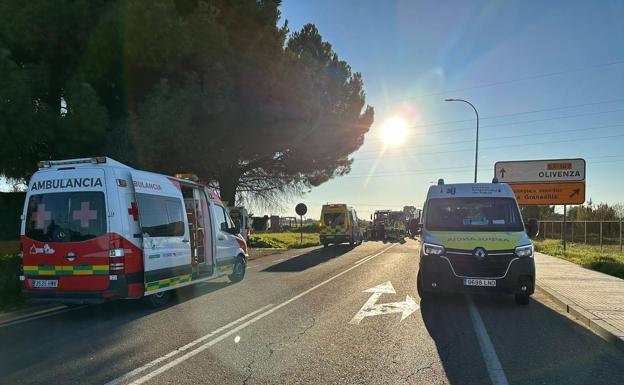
(10, 294)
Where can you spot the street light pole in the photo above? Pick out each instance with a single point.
(477, 139)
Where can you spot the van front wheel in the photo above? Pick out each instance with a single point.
(419, 287)
(239, 270)
(522, 299)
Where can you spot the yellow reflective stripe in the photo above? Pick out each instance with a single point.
(167, 282)
(66, 269)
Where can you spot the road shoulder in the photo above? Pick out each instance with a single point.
(594, 298)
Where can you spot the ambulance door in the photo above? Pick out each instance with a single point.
(167, 251)
(226, 244)
(204, 233)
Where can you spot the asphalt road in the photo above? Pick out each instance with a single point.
(296, 319)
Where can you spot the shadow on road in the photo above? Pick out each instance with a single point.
(48, 348)
(535, 344)
(310, 259)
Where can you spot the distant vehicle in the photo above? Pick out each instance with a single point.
(380, 222)
(396, 226)
(95, 229)
(474, 239)
(241, 217)
(339, 224)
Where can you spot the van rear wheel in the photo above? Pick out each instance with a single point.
(158, 299)
(239, 270)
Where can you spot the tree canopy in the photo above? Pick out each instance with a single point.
(218, 88)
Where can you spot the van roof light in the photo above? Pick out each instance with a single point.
(43, 164)
(187, 176)
(495, 180)
(440, 182)
(100, 159)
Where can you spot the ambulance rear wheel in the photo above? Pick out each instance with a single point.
(158, 299)
(239, 270)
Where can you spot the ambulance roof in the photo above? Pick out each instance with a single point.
(464, 190)
(104, 161)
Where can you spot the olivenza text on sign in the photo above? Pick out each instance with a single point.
(541, 171)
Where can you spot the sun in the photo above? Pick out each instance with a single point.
(394, 131)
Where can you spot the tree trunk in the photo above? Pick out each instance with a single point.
(227, 188)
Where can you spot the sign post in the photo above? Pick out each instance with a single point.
(545, 182)
(301, 209)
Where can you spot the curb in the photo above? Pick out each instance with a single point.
(593, 323)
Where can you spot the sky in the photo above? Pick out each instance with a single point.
(547, 79)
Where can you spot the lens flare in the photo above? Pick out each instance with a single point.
(394, 131)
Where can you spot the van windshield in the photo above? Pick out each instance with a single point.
(473, 214)
(66, 217)
(334, 219)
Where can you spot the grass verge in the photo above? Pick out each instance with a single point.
(283, 240)
(608, 261)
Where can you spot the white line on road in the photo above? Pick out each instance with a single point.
(158, 360)
(46, 313)
(201, 348)
(492, 363)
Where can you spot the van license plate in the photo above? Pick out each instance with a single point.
(44, 283)
(479, 282)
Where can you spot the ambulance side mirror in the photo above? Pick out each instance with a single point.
(532, 228)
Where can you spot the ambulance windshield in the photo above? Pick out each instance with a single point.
(473, 214)
(66, 217)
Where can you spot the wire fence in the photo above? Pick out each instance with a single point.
(607, 234)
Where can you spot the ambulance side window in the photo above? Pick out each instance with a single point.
(219, 218)
(160, 216)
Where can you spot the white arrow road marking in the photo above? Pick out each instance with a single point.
(372, 308)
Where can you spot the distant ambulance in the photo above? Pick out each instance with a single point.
(473, 239)
(240, 216)
(95, 229)
(339, 224)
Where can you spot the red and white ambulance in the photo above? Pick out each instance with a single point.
(95, 229)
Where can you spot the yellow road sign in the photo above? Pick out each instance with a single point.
(565, 193)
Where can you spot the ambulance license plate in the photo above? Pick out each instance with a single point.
(44, 283)
(479, 282)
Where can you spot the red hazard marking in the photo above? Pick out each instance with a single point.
(84, 215)
(41, 216)
(134, 211)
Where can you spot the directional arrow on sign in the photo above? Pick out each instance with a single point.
(372, 308)
(502, 172)
(575, 192)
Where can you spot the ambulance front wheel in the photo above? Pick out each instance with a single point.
(239, 270)
(158, 299)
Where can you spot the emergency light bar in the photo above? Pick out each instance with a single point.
(187, 176)
(50, 163)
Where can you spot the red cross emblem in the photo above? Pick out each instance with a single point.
(41, 216)
(134, 211)
(84, 215)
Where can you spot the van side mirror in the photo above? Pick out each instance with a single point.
(532, 228)
(237, 227)
(224, 226)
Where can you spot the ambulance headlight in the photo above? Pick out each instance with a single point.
(524, 251)
(431, 249)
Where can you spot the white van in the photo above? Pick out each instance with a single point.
(474, 240)
(95, 229)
